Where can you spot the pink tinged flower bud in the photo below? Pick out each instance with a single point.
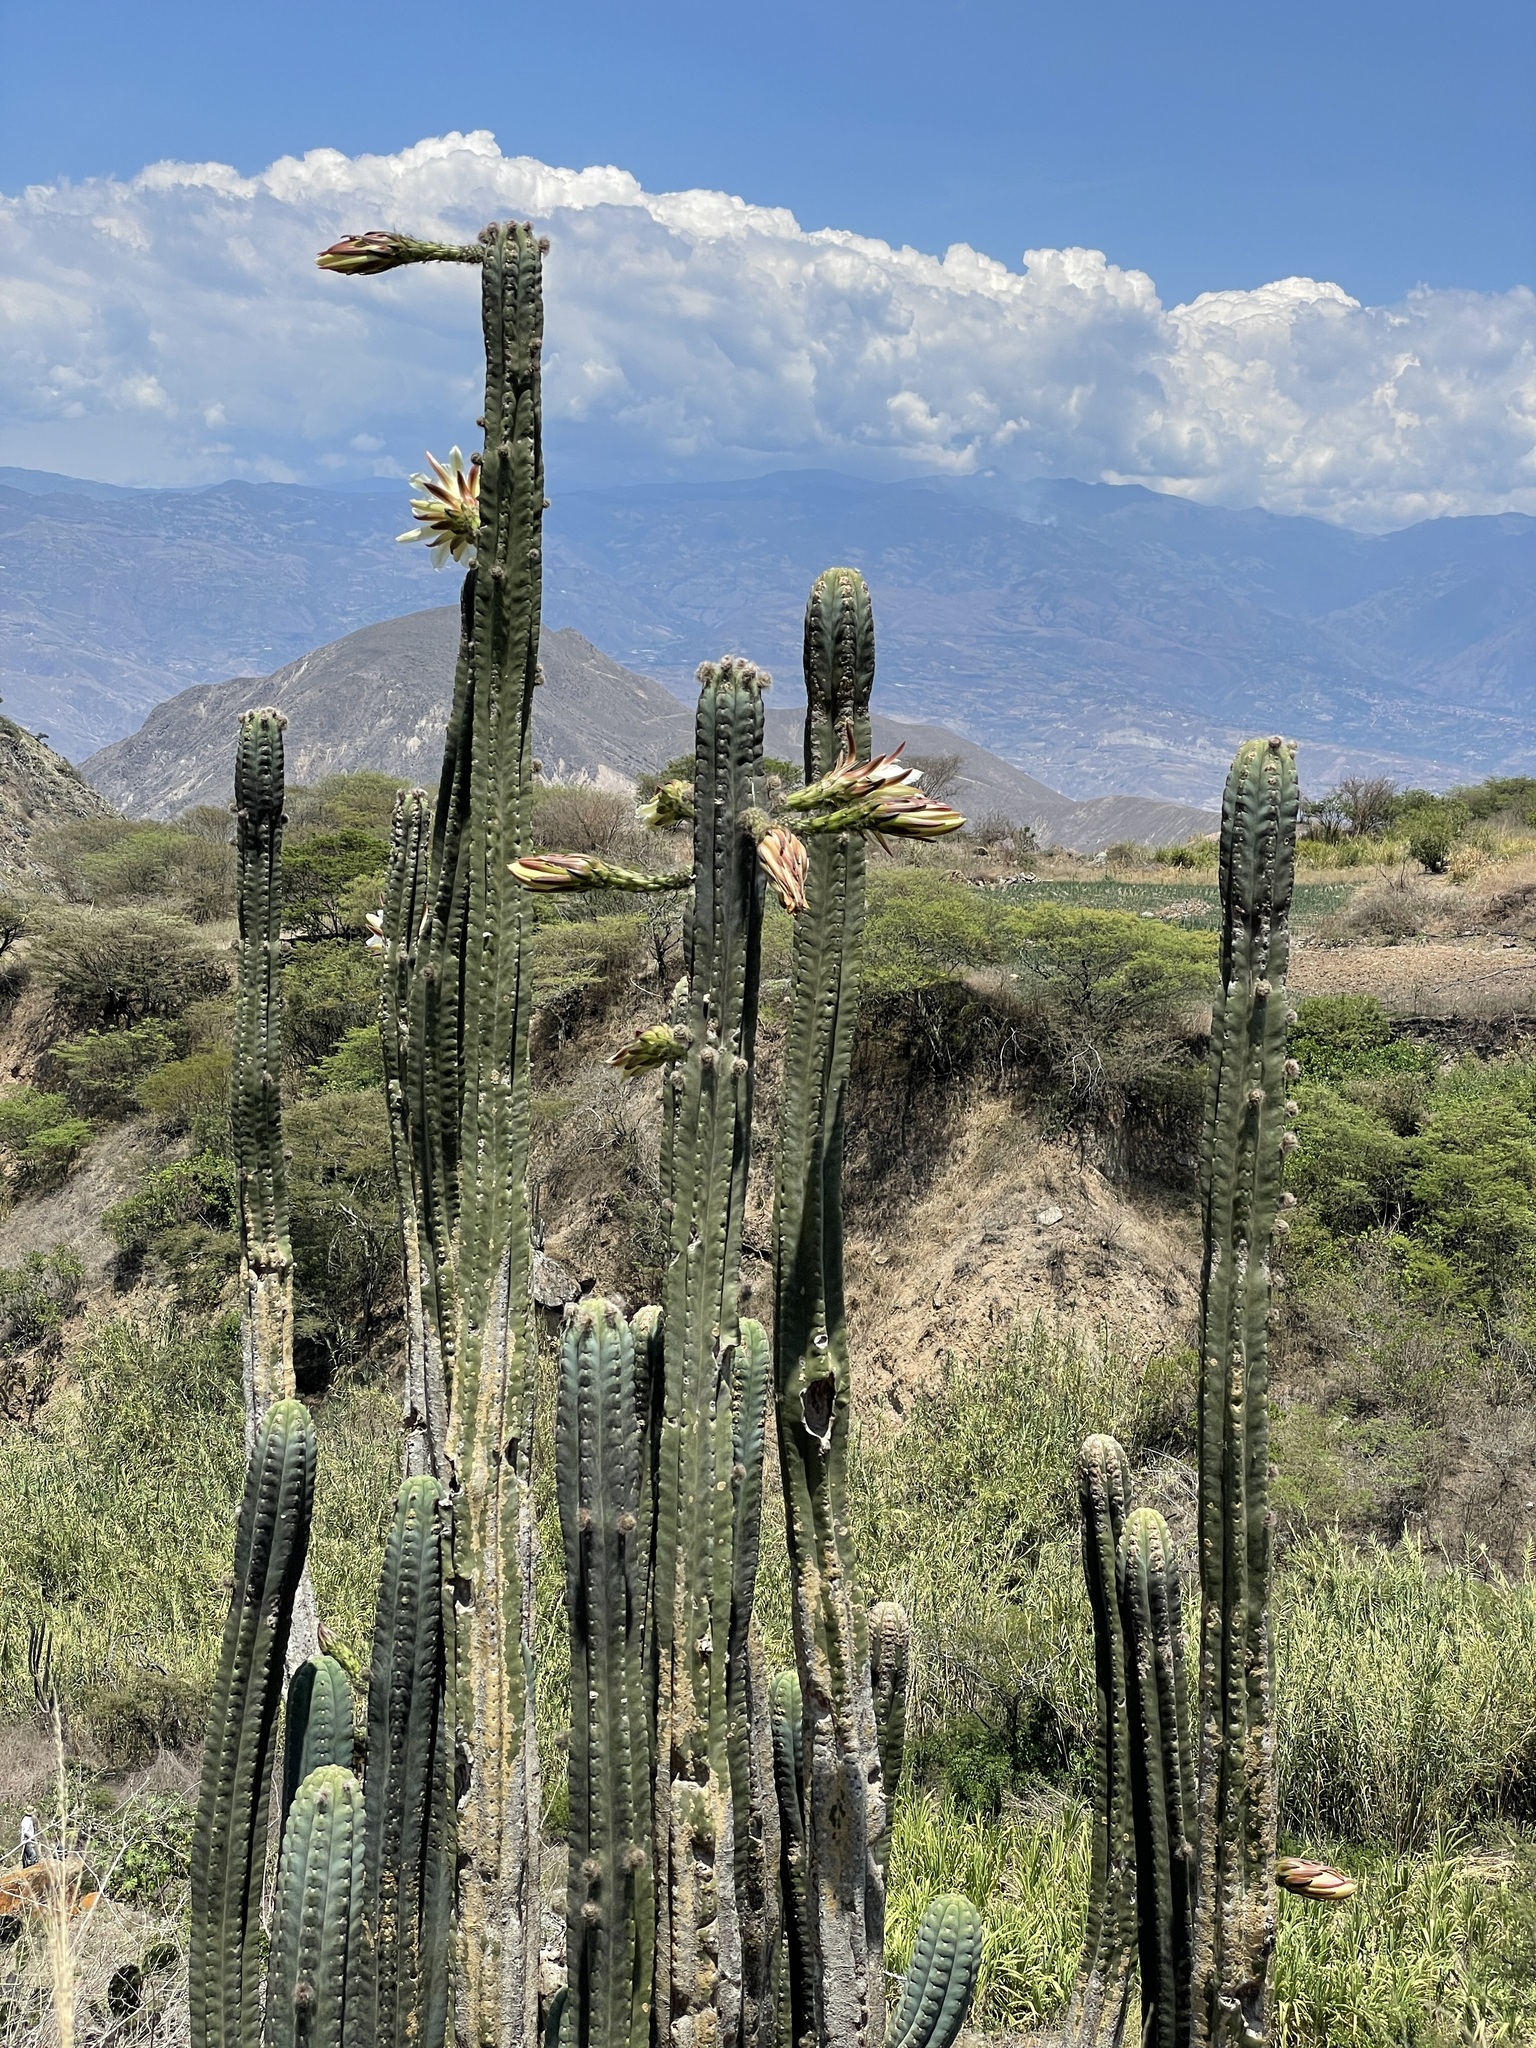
(553, 873)
(851, 779)
(786, 863)
(380, 249)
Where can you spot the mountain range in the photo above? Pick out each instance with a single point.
(379, 699)
(1100, 637)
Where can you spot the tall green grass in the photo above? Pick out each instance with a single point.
(117, 1513)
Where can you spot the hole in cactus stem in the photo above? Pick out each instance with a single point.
(510, 1452)
(816, 1408)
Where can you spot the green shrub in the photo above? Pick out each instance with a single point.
(113, 862)
(40, 1139)
(191, 1097)
(131, 1721)
(37, 1298)
(363, 801)
(101, 1072)
(345, 1227)
(146, 1844)
(331, 880)
(109, 968)
(183, 1219)
(355, 1065)
(1193, 853)
(329, 989)
(582, 957)
(1342, 1038)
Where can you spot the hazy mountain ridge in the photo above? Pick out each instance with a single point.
(1102, 637)
(379, 699)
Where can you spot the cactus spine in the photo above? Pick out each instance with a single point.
(1206, 1913)
(229, 1837)
(256, 1114)
(708, 1098)
(1243, 1143)
(611, 1906)
(317, 1933)
(844, 1809)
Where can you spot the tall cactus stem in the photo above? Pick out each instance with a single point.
(797, 1993)
(317, 1928)
(1101, 2001)
(317, 1723)
(225, 1945)
(611, 1910)
(708, 1116)
(426, 1403)
(844, 1799)
(256, 1115)
(1242, 1149)
(890, 1665)
(401, 1998)
(1162, 1774)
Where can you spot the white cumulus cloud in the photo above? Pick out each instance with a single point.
(173, 328)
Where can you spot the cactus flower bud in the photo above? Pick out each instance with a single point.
(553, 873)
(657, 1046)
(1308, 1879)
(380, 250)
(851, 779)
(672, 804)
(785, 862)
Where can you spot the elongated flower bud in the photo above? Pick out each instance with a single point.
(379, 250)
(784, 860)
(1311, 1880)
(553, 873)
(896, 810)
(851, 778)
(656, 1046)
(672, 804)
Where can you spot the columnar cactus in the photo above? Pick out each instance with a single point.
(1243, 1145)
(255, 1106)
(602, 1461)
(1101, 2001)
(1162, 1774)
(401, 1994)
(698, 1595)
(1205, 1874)
(317, 1723)
(844, 1800)
(936, 1991)
(317, 1935)
(226, 1942)
(463, 1080)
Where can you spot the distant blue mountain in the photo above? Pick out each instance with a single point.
(1102, 637)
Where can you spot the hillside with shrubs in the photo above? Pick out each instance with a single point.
(1023, 1265)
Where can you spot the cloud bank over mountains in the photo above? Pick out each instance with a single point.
(172, 328)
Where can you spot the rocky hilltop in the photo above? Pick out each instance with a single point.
(379, 698)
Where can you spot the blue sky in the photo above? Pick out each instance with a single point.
(1213, 145)
(1254, 255)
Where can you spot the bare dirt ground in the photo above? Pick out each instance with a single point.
(1424, 977)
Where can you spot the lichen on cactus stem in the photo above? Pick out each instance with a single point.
(226, 1942)
(256, 1115)
(602, 1467)
(843, 1798)
(1101, 2000)
(1162, 1774)
(708, 1103)
(1244, 1140)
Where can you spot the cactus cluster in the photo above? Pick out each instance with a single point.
(1184, 1878)
(727, 1827)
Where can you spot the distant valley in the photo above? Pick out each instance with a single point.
(1102, 639)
